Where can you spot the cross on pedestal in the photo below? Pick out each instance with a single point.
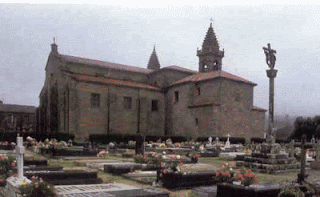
(20, 152)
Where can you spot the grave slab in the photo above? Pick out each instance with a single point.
(205, 191)
(107, 190)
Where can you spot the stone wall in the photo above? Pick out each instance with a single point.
(86, 120)
(233, 112)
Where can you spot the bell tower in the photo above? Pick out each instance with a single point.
(210, 57)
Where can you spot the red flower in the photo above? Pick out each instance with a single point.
(180, 164)
(174, 157)
(162, 164)
(2, 158)
(13, 164)
(217, 174)
(164, 171)
(1, 180)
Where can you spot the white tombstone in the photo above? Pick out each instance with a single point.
(210, 140)
(227, 145)
(13, 183)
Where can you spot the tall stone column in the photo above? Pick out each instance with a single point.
(271, 73)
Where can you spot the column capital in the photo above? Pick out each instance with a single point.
(272, 73)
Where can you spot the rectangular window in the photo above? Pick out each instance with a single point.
(95, 100)
(127, 102)
(154, 106)
(176, 96)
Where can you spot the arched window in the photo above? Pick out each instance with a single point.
(215, 65)
(205, 68)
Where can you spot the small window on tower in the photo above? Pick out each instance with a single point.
(176, 96)
(205, 68)
(199, 91)
(215, 65)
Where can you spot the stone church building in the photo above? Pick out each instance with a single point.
(84, 96)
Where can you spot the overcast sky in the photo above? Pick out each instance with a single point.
(127, 34)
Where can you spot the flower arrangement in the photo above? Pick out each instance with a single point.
(172, 167)
(131, 144)
(6, 165)
(247, 177)
(225, 173)
(162, 145)
(103, 153)
(37, 187)
(247, 151)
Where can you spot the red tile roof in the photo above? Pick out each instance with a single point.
(259, 109)
(203, 104)
(180, 69)
(212, 75)
(89, 78)
(86, 61)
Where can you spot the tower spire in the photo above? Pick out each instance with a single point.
(153, 61)
(210, 57)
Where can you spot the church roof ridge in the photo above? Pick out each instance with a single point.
(105, 64)
(212, 75)
(17, 108)
(105, 80)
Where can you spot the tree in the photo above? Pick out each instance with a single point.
(307, 126)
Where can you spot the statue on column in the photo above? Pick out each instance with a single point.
(270, 56)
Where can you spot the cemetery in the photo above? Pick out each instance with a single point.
(163, 169)
(217, 166)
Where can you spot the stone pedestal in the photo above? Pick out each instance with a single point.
(13, 184)
(270, 160)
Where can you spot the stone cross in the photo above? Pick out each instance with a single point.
(20, 152)
(217, 140)
(301, 175)
(271, 73)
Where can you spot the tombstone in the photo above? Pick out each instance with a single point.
(13, 183)
(227, 145)
(291, 149)
(313, 140)
(217, 140)
(210, 140)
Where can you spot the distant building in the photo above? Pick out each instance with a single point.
(84, 96)
(17, 117)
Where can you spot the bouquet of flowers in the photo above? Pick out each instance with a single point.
(103, 153)
(225, 173)
(247, 177)
(37, 187)
(6, 165)
(172, 167)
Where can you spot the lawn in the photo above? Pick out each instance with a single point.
(215, 161)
